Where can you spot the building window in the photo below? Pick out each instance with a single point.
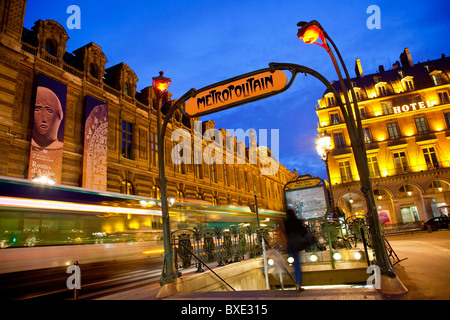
(409, 86)
(400, 162)
(330, 101)
(430, 158)
(367, 135)
(387, 108)
(421, 125)
(393, 131)
(437, 79)
(374, 170)
(127, 140)
(346, 173)
(362, 113)
(50, 47)
(381, 91)
(334, 117)
(443, 97)
(339, 141)
(127, 187)
(154, 149)
(447, 119)
(127, 89)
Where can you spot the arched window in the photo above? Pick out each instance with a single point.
(50, 47)
(127, 187)
(127, 89)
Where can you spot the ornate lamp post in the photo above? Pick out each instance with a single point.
(323, 147)
(160, 85)
(310, 32)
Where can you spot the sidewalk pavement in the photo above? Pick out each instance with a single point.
(310, 293)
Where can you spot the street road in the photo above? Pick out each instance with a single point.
(426, 271)
(97, 279)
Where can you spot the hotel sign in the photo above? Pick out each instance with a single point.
(414, 106)
(236, 91)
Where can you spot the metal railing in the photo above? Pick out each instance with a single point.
(198, 247)
(223, 246)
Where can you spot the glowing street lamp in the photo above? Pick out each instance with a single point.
(161, 85)
(323, 147)
(310, 32)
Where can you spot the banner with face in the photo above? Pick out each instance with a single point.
(46, 152)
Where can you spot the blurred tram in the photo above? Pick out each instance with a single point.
(43, 226)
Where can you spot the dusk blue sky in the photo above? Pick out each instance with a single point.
(198, 43)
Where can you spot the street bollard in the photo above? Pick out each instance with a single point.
(429, 229)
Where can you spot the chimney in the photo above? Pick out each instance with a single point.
(358, 69)
(396, 65)
(380, 69)
(405, 59)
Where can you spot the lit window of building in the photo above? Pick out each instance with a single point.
(393, 131)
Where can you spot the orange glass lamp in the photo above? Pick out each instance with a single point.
(161, 84)
(309, 32)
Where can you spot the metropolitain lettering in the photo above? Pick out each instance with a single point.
(249, 87)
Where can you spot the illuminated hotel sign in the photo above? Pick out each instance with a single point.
(414, 106)
(236, 91)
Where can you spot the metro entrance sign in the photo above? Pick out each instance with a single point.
(236, 91)
(230, 93)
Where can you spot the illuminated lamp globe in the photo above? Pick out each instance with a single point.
(311, 34)
(161, 84)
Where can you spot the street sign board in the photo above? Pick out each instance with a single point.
(307, 196)
(236, 91)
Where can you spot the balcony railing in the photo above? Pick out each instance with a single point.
(383, 173)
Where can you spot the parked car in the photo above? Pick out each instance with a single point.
(437, 223)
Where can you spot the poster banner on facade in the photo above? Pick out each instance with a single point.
(95, 144)
(385, 217)
(46, 152)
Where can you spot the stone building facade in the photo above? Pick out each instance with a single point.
(131, 140)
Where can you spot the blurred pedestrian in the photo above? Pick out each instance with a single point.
(296, 235)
